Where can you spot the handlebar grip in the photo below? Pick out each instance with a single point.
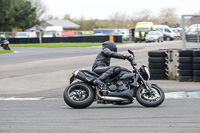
(133, 63)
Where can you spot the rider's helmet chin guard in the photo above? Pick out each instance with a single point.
(111, 45)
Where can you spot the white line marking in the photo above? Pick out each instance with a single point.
(21, 99)
(175, 95)
(169, 95)
(16, 52)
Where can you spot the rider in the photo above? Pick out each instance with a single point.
(102, 66)
(2, 39)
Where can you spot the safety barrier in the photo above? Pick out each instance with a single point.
(23, 40)
(174, 63)
(117, 39)
(157, 64)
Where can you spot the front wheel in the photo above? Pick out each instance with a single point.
(150, 99)
(8, 48)
(78, 95)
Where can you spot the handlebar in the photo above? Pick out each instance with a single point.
(133, 63)
(133, 60)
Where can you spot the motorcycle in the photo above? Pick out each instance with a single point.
(119, 89)
(5, 44)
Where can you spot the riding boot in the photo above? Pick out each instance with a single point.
(103, 77)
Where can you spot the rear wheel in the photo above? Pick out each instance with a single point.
(78, 95)
(150, 99)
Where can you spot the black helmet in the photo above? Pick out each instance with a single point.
(111, 45)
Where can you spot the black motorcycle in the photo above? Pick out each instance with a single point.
(118, 90)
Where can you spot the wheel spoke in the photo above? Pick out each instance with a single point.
(152, 96)
(78, 93)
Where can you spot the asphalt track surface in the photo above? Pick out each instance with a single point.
(32, 81)
(45, 72)
(50, 116)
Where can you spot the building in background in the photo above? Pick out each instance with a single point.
(66, 24)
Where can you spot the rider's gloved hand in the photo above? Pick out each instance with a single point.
(128, 57)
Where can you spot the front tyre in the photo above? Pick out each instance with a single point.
(8, 48)
(150, 99)
(78, 95)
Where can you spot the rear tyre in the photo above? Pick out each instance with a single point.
(78, 95)
(152, 99)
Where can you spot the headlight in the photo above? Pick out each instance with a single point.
(148, 73)
(75, 73)
(144, 71)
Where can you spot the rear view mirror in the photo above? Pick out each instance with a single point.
(130, 51)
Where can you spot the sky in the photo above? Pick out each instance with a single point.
(103, 9)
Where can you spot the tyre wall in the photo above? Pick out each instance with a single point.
(157, 64)
(185, 65)
(196, 65)
(188, 65)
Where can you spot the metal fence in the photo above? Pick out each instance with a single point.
(57, 37)
(33, 37)
(190, 30)
(41, 34)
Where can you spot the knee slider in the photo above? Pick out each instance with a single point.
(117, 70)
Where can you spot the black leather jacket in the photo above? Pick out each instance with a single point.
(103, 58)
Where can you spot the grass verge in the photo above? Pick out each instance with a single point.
(54, 45)
(5, 51)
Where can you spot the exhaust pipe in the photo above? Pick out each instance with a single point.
(111, 98)
(116, 99)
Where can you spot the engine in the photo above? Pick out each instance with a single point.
(118, 87)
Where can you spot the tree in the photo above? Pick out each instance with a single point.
(68, 17)
(51, 17)
(139, 16)
(168, 16)
(17, 14)
(40, 8)
(24, 14)
(118, 20)
(5, 18)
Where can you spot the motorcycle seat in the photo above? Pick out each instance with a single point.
(90, 72)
